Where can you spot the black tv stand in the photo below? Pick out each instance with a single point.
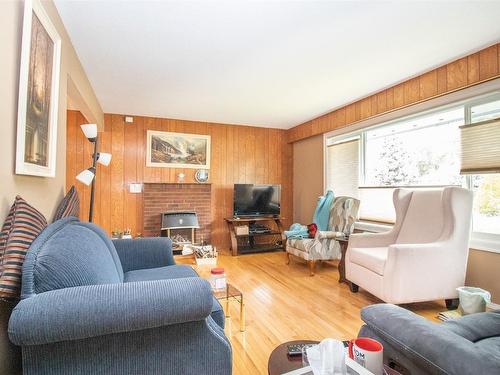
(255, 242)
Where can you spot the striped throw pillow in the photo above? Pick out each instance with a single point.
(26, 224)
(4, 234)
(69, 206)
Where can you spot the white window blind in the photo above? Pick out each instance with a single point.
(343, 168)
(480, 147)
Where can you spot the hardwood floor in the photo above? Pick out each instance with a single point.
(284, 303)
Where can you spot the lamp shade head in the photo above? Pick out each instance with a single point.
(104, 158)
(86, 176)
(90, 130)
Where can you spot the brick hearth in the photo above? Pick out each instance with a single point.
(159, 198)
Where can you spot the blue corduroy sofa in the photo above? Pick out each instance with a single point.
(90, 305)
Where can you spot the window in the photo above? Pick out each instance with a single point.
(486, 208)
(420, 151)
(486, 111)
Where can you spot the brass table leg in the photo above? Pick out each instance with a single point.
(242, 314)
(228, 313)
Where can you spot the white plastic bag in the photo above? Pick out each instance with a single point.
(473, 300)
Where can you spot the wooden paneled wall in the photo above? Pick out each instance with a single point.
(239, 154)
(468, 71)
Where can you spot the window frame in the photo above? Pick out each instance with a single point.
(479, 240)
(433, 111)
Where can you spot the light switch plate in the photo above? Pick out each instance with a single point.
(135, 188)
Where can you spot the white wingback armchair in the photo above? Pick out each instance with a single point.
(423, 257)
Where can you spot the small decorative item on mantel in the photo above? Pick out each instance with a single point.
(116, 234)
(201, 176)
(127, 234)
(139, 235)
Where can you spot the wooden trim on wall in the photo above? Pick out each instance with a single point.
(468, 71)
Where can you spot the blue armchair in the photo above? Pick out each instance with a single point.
(93, 306)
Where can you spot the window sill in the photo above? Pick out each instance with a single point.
(435, 186)
(479, 241)
(372, 227)
(485, 242)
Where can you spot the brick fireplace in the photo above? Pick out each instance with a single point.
(159, 198)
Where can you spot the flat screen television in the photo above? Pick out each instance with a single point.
(256, 200)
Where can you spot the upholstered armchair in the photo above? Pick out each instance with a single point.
(423, 257)
(343, 214)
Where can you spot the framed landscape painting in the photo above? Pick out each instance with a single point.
(38, 94)
(177, 150)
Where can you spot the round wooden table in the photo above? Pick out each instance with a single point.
(280, 362)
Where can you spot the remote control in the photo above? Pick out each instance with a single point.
(296, 349)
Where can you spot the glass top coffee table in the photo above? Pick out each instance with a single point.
(231, 293)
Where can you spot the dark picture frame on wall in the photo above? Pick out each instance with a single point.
(38, 93)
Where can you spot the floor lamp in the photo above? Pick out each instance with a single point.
(88, 176)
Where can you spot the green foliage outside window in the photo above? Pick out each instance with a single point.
(489, 195)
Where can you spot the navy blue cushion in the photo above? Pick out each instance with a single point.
(174, 272)
(68, 254)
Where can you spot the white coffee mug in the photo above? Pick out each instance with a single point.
(369, 353)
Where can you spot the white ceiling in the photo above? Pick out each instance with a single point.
(264, 63)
